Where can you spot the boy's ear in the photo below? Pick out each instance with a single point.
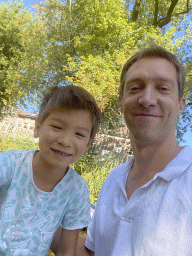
(121, 104)
(87, 148)
(36, 129)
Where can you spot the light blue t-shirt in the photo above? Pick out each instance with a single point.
(29, 217)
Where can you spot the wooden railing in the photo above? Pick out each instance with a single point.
(17, 128)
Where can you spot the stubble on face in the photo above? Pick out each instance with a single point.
(150, 101)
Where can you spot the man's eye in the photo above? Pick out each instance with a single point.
(164, 88)
(134, 88)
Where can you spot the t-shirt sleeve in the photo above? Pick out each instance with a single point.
(7, 167)
(77, 214)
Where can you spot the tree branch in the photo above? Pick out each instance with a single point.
(135, 12)
(179, 13)
(156, 12)
(161, 23)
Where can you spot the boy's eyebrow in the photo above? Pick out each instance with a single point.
(59, 120)
(83, 128)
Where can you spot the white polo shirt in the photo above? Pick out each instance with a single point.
(155, 221)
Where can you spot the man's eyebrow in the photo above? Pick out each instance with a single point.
(165, 79)
(140, 79)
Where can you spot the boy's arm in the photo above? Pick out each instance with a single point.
(67, 243)
(81, 249)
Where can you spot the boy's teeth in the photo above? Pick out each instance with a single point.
(60, 153)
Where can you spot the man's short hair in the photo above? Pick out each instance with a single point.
(154, 51)
(70, 97)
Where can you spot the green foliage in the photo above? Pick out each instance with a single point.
(95, 180)
(50, 253)
(12, 25)
(94, 168)
(7, 143)
(85, 42)
(21, 54)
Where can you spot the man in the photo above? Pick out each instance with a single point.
(145, 206)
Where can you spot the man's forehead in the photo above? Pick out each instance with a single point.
(152, 66)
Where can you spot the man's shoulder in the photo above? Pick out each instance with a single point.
(120, 170)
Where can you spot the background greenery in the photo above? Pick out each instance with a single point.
(86, 42)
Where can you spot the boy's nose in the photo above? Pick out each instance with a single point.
(65, 139)
(148, 97)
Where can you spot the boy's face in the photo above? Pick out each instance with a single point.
(63, 137)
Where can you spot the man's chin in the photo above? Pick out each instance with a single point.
(145, 139)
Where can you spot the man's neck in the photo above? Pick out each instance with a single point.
(153, 158)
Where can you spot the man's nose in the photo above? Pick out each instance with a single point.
(148, 97)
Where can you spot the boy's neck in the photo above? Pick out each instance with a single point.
(45, 177)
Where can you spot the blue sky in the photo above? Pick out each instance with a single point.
(30, 3)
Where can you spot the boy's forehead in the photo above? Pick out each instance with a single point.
(64, 114)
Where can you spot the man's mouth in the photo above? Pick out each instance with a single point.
(147, 115)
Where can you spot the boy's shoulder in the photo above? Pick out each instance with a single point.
(77, 178)
(15, 156)
(17, 153)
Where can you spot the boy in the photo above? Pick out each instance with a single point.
(38, 190)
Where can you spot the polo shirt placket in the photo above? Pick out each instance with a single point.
(156, 220)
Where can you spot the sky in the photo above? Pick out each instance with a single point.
(30, 3)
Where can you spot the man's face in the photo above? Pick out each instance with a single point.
(150, 101)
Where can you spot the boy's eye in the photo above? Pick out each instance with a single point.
(56, 127)
(80, 134)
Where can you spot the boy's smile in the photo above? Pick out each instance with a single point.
(63, 137)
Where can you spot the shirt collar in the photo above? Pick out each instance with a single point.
(175, 168)
(178, 165)
(122, 173)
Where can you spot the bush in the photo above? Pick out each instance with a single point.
(94, 168)
(7, 143)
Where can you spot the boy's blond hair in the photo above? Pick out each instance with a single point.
(70, 97)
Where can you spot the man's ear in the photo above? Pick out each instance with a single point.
(182, 104)
(121, 104)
